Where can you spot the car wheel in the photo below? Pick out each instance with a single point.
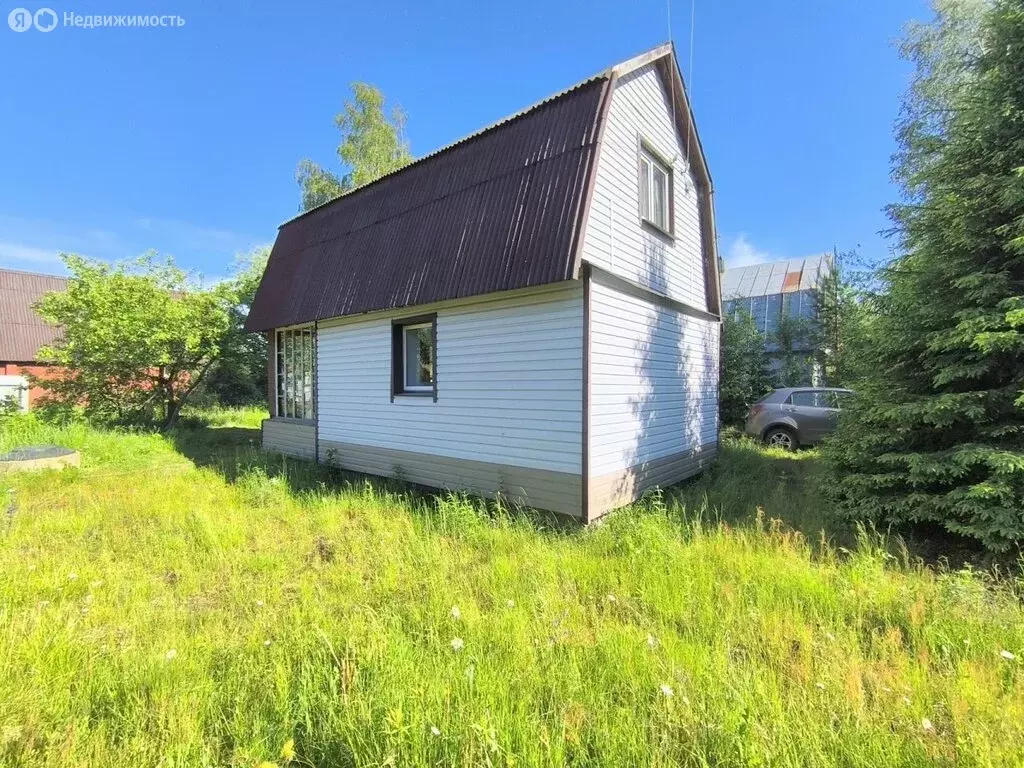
(780, 437)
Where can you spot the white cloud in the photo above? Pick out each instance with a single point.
(34, 244)
(184, 236)
(18, 255)
(742, 253)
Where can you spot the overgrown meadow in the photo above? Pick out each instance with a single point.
(189, 600)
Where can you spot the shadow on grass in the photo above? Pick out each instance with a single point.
(236, 453)
(745, 480)
(748, 478)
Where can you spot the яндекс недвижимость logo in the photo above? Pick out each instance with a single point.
(46, 20)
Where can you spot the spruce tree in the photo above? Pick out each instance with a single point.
(745, 374)
(938, 432)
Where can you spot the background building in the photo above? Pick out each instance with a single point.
(23, 332)
(780, 289)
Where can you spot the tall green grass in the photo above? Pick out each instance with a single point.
(189, 600)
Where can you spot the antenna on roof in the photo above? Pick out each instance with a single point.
(689, 74)
(689, 71)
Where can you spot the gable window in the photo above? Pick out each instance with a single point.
(655, 191)
(295, 351)
(414, 356)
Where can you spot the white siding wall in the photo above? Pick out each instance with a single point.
(615, 239)
(509, 373)
(653, 380)
(289, 436)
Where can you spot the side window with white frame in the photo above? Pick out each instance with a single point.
(295, 351)
(414, 356)
(655, 190)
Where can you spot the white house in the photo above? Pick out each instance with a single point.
(532, 311)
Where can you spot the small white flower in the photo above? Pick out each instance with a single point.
(266, 643)
(259, 603)
(927, 726)
(457, 644)
(72, 576)
(652, 641)
(906, 701)
(170, 654)
(666, 691)
(510, 603)
(1007, 655)
(820, 686)
(456, 613)
(611, 598)
(435, 731)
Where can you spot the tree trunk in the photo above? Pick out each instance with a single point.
(173, 411)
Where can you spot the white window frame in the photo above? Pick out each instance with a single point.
(654, 163)
(295, 398)
(406, 386)
(20, 386)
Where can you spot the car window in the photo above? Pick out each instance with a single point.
(806, 398)
(811, 398)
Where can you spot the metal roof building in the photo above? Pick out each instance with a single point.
(769, 290)
(22, 331)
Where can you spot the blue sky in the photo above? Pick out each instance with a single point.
(185, 139)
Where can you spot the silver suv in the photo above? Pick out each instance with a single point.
(795, 416)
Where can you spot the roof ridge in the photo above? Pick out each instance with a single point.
(622, 67)
(457, 143)
(34, 274)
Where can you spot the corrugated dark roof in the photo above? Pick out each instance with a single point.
(22, 331)
(499, 210)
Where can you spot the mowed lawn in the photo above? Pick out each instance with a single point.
(192, 601)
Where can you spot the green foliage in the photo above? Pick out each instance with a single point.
(938, 432)
(745, 374)
(228, 607)
(239, 376)
(843, 315)
(138, 337)
(372, 145)
(793, 338)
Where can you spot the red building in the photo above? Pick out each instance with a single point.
(23, 332)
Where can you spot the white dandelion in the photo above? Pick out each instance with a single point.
(266, 643)
(926, 725)
(510, 603)
(820, 686)
(1007, 655)
(457, 644)
(611, 598)
(652, 641)
(666, 691)
(435, 731)
(170, 654)
(456, 613)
